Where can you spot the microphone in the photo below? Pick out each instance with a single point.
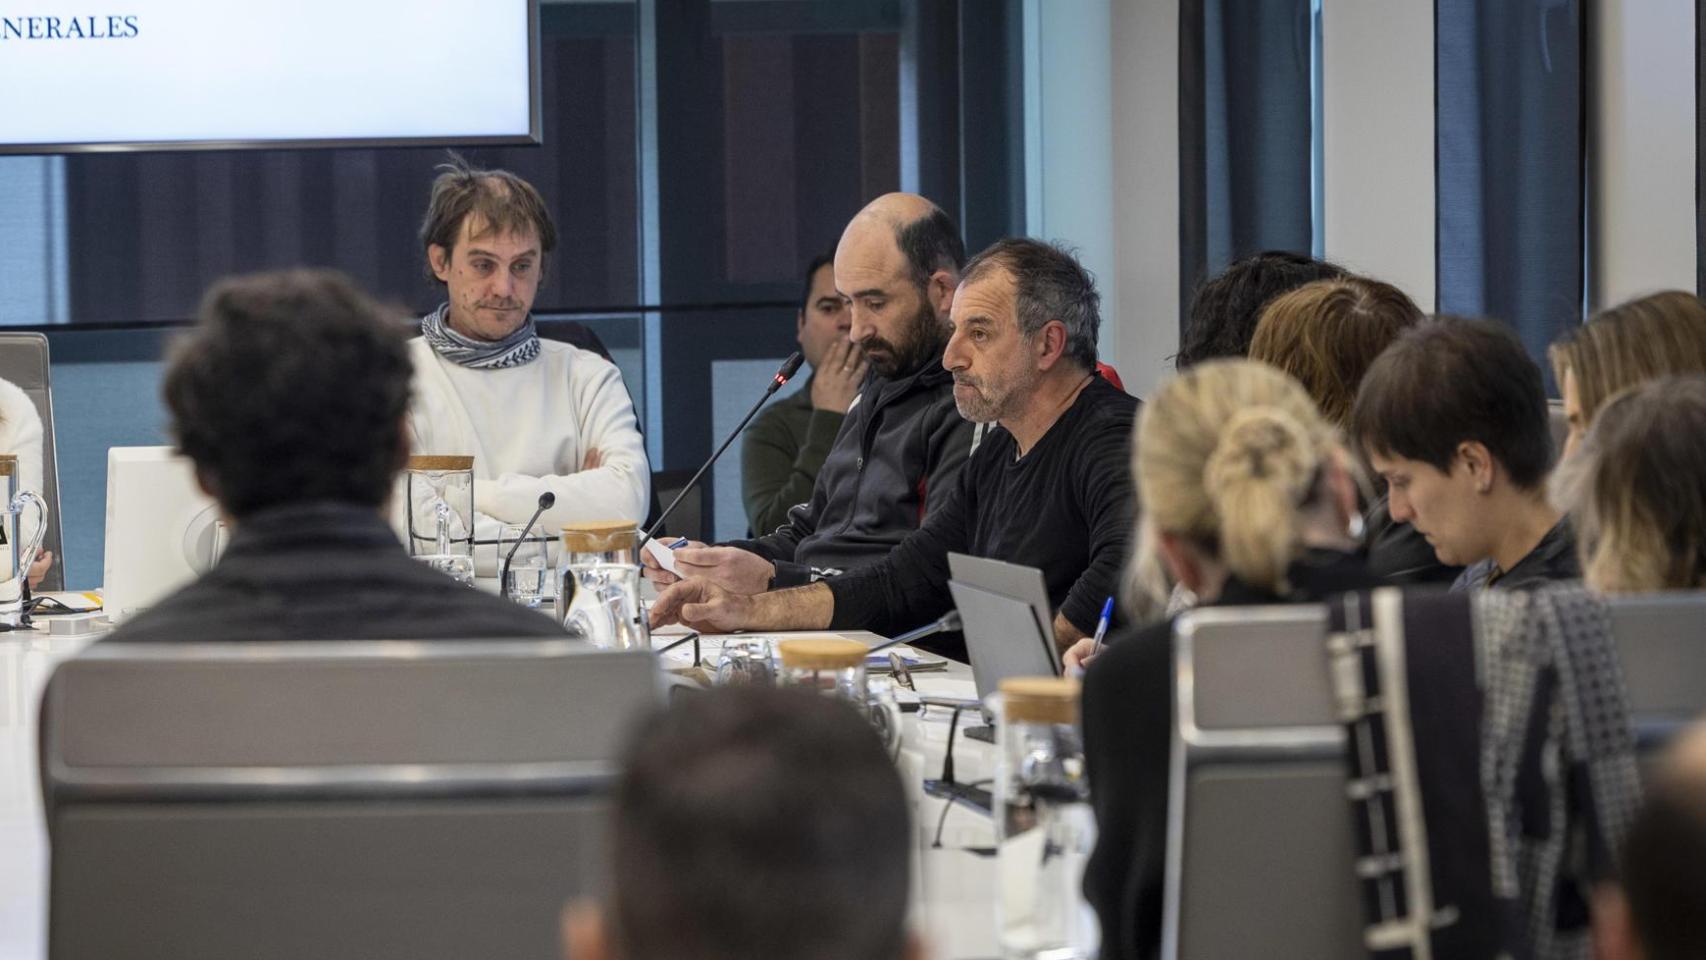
(784, 373)
(948, 623)
(547, 500)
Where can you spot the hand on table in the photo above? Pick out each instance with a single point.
(703, 606)
(733, 569)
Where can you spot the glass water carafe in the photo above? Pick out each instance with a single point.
(598, 585)
(1044, 827)
(15, 561)
(441, 513)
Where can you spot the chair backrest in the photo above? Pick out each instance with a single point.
(688, 520)
(1664, 661)
(364, 799)
(24, 363)
(1260, 855)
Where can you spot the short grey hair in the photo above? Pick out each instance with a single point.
(1050, 284)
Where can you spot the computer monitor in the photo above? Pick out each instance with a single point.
(162, 530)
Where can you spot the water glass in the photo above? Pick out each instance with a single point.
(531, 581)
(747, 661)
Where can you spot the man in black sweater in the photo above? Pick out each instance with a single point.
(903, 442)
(1050, 490)
(290, 397)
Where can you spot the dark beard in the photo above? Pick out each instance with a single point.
(925, 340)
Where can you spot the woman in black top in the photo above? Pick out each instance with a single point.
(1247, 499)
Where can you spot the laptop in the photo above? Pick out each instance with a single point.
(1006, 619)
(162, 530)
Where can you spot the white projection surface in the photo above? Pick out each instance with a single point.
(87, 73)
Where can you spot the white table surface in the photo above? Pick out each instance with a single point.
(953, 891)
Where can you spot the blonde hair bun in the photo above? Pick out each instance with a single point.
(1260, 445)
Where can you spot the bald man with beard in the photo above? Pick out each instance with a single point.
(903, 442)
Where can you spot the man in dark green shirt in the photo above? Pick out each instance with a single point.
(786, 446)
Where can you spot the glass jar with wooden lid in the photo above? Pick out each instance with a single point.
(834, 665)
(440, 491)
(598, 577)
(1044, 828)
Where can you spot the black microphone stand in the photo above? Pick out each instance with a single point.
(789, 367)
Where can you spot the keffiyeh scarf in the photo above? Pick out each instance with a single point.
(518, 348)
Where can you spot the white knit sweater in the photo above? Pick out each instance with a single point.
(529, 429)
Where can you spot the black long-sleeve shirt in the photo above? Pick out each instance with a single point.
(1065, 507)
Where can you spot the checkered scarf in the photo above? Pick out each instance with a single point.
(518, 348)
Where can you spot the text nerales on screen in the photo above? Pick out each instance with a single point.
(109, 27)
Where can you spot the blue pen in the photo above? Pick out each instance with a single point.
(679, 543)
(1102, 626)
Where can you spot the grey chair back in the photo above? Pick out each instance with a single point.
(688, 520)
(24, 363)
(1260, 854)
(365, 799)
(1663, 647)
(1260, 850)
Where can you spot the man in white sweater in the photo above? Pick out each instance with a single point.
(536, 415)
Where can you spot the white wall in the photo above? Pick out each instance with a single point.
(1069, 154)
(1144, 199)
(1377, 91)
(1641, 116)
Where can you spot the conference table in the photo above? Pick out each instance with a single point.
(953, 892)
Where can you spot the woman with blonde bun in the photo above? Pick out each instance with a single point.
(1248, 498)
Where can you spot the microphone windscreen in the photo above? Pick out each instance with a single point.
(790, 367)
(547, 500)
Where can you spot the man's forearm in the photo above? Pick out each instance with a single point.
(1065, 632)
(801, 608)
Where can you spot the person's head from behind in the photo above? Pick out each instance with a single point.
(1225, 308)
(292, 388)
(486, 234)
(1025, 310)
(897, 264)
(1634, 341)
(1327, 333)
(754, 822)
(1635, 489)
(1238, 474)
(1657, 910)
(1453, 417)
(823, 317)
